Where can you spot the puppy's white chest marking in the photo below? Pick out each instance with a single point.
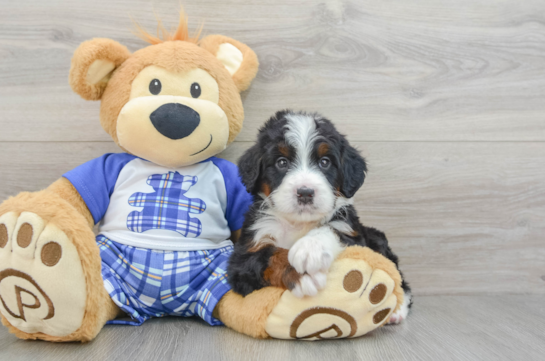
(283, 233)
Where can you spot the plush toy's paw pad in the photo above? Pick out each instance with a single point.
(358, 298)
(42, 285)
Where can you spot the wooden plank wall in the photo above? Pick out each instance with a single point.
(446, 99)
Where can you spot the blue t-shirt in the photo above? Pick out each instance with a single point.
(142, 204)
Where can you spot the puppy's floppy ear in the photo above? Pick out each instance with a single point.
(92, 65)
(353, 169)
(239, 60)
(249, 166)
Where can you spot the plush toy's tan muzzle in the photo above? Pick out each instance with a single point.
(172, 131)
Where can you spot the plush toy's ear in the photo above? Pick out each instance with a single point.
(238, 58)
(92, 65)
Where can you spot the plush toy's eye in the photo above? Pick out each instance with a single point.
(155, 87)
(195, 90)
(282, 163)
(325, 162)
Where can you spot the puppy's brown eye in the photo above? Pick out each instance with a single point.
(325, 162)
(282, 163)
(195, 90)
(155, 86)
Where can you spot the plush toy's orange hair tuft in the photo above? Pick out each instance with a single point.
(181, 33)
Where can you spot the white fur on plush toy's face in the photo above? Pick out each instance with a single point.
(173, 119)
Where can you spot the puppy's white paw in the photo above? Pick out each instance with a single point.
(396, 318)
(401, 314)
(309, 256)
(320, 279)
(309, 285)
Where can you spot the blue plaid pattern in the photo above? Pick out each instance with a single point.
(167, 208)
(146, 283)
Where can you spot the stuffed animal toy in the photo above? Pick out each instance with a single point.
(167, 211)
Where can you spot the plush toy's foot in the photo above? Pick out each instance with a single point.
(363, 290)
(40, 267)
(46, 278)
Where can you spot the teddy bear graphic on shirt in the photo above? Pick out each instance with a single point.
(168, 207)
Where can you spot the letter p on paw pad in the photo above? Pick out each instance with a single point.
(42, 285)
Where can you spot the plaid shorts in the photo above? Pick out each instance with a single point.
(147, 283)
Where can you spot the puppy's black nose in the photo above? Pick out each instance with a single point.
(305, 195)
(174, 120)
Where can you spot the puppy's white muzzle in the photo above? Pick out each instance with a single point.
(304, 195)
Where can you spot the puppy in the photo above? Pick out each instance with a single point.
(303, 174)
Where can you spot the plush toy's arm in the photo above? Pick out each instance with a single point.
(88, 187)
(64, 189)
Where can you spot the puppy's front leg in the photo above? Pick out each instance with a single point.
(315, 251)
(253, 267)
(313, 254)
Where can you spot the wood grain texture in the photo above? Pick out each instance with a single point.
(463, 217)
(450, 70)
(445, 99)
(439, 328)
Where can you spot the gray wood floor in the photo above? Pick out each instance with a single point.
(445, 99)
(440, 328)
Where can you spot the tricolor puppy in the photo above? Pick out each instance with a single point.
(303, 174)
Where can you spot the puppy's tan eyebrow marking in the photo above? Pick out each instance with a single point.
(323, 148)
(266, 189)
(284, 150)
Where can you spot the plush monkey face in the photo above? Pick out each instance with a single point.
(174, 103)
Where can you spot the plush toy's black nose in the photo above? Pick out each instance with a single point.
(174, 120)
(305, 195)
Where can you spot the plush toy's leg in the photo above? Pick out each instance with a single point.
(51, 286)
(248, 314)
(363, 290)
